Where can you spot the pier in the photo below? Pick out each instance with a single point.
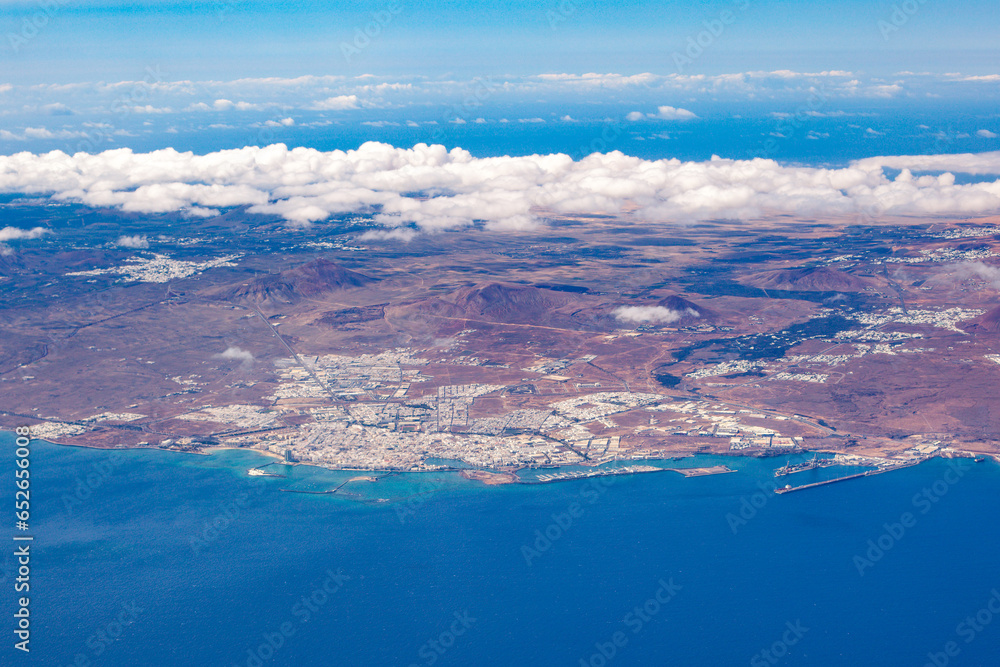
(260, 472)
(867, 473)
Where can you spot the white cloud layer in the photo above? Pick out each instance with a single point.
(17, 234)
(990, 274)
(652, 314)
(963, 163)
(155, 94)
(337, 103)
(136, 241)
(304, 185)
(663, 113)
(235, 353)
(673, 113)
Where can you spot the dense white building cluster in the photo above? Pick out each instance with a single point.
(347, 445)
(877, 336)
(726, 368)
(946, 318)
(49, 430)
(967, 232)
(941, 255)
(593, 406)
(114, 417)
(244, 416)
(158, 268)
(818, 378)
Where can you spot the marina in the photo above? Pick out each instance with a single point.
(629, 470)
(584, 474)
(811, 464)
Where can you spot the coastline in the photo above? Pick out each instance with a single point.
(500, 478)
(265, 452)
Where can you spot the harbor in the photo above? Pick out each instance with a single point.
(584, 474)
(868, 473)
(812, 464)
(628, 470)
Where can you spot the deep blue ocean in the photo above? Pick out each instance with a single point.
(157, 558)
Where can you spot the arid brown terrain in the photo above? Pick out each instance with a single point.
(581, 341)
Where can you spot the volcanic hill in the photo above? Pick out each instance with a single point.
(689, 310)
(811, 279)
(987, 323)
(504, 303)
(301, 282)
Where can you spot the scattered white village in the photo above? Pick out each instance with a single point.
(158, 268)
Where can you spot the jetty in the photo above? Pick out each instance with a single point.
(867, 473)
(260, 472)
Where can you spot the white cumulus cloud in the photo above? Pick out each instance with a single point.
(17, 234)
(337, 103)
(960, 163)
(652, 314)
(662, 113)
(403, 234)
(237, 354)
(673, 113)
(454, 189)
(135, 241)
(990, 274)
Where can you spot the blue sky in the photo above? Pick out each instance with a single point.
(825, 91)
(101, 39)
(858, 78)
